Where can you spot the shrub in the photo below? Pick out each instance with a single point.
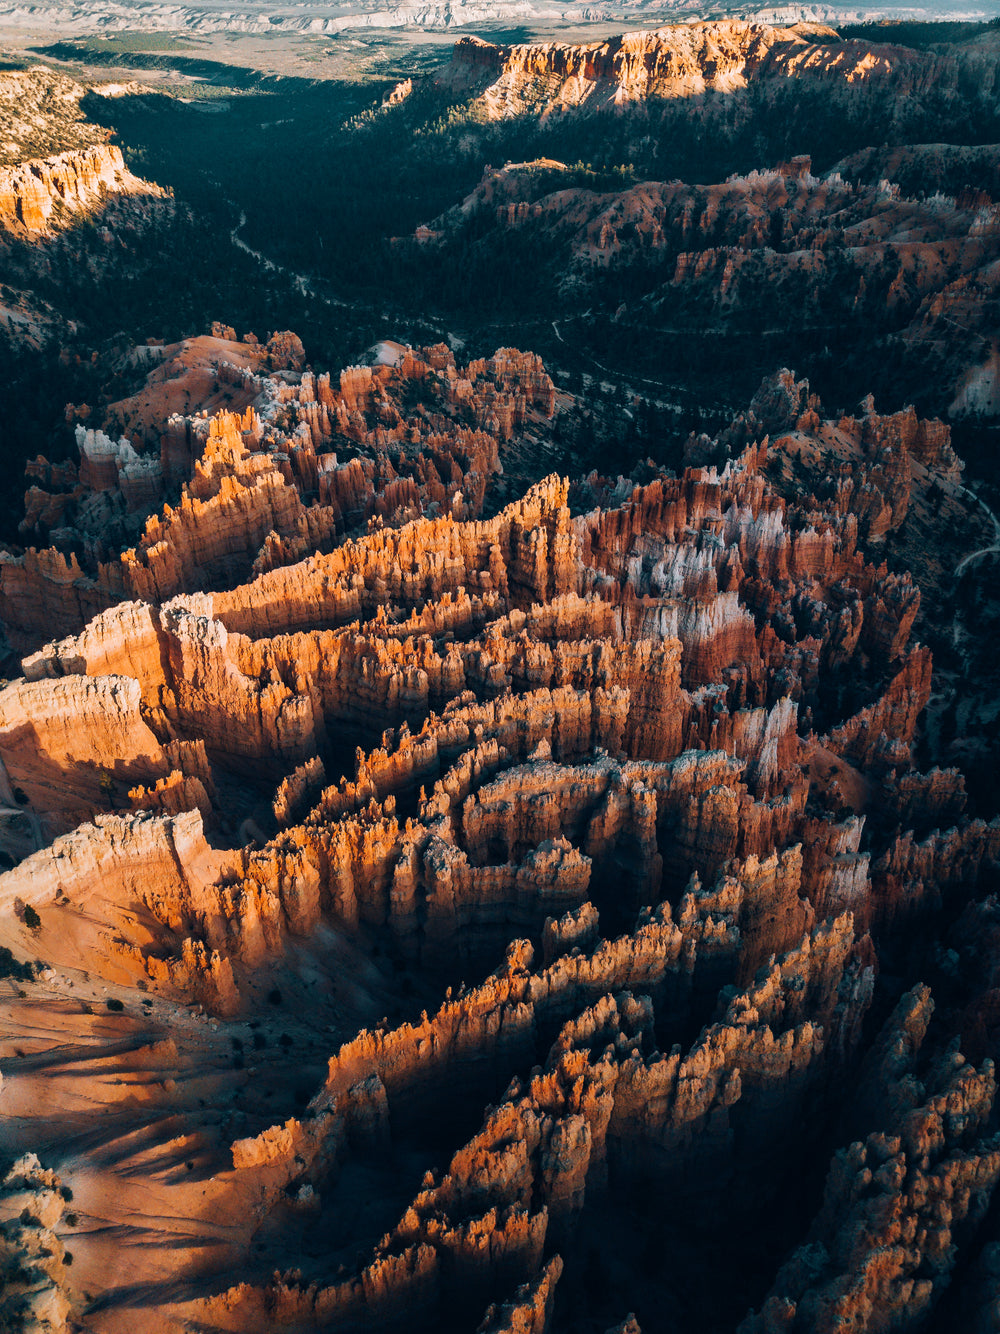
(10, 967)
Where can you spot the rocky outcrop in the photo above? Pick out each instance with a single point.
(874, 251)
(37, 197)
(517, 646)
(689, 59)
(264, 488)
(647, 742)
(677, 61)
(896, 1204)
(529, 1310)
(101, 873)
(601, 1100)
(34, 1263)
(71, 747)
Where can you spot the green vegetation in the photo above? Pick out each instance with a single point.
(97, 48)
(108, 787)
(14, 968)
(57, 123)
(332, 185)
(917, 34)
(211, 74)
(329, 181)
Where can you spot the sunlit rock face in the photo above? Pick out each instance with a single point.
(36, 196)
(606, 791)
(686, 61)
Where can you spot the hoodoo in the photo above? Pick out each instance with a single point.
(644, 741)
(499, 823)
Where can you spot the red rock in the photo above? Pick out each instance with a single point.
(76, 181)
(612, 740)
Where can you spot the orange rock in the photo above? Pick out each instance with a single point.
(76, 180)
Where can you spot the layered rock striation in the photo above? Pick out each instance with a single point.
(38, 196)
(618, 775)
(678, 61)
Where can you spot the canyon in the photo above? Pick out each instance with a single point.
(614, 777)
(892, 251)
(828, 251)
(499, 830)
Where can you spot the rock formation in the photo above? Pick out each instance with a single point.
(617, 778)
(39, 195)
(489, 842)
(680, 61)
(33, 1260)
(266, 487)
(882, 1247)
(837, 240)
(690, 59)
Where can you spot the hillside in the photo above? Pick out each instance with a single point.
(499, 700)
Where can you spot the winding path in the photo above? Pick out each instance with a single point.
(302, 284)
(966, 561)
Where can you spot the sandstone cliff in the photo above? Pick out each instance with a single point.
(614, 779)
(677, 61)
(34, 1262)
(38, 196)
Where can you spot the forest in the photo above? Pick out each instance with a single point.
(329, 182)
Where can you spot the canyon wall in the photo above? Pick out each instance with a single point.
(648, 743)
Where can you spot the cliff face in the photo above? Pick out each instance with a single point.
(635, 758)
(55, 164)
(680, 61)
(68, 745)
(686, 61)
(75, 224)
(38, 196)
